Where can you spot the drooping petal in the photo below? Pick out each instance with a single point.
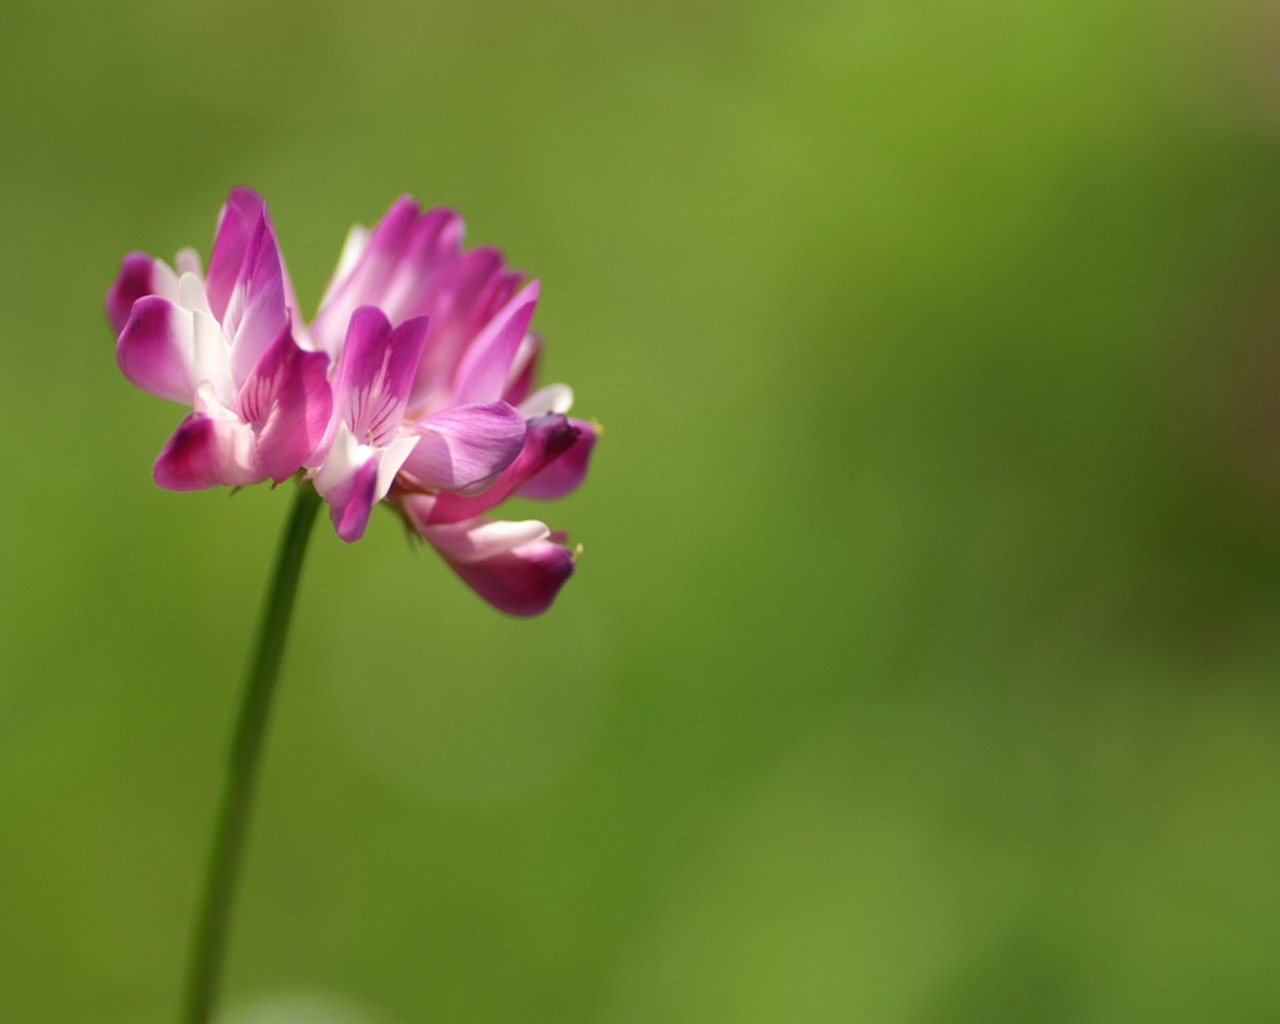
(463, 449)
(478, 539)
(136, 279)
(547, 438)
(486, 368)
(517, 567)
(156, 349)
(287, 400)
(564, 474)
(210, 448)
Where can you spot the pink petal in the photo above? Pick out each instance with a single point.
(375, 371)
(136, 279)
(547, 438)
(248, 290)
(466, 447)
(465, 298)
(207, 451)
(352, 500)
(434, 245)
(486, 367)
(354, 477)
(257, 312)
(237, 224)
(524, 369)
(564, 474)
(398, 264)
(518, 568)
(155, 349)
(287, 400)
(478, 539)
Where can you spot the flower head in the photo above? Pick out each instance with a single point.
(414, 384)
(221, 343)
(482, 433)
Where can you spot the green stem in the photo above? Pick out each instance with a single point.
(209, 941)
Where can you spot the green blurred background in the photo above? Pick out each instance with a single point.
(922, 664)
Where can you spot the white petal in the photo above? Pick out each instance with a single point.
(239, 442)
(475, 539)
(344, 458)
(391, 459)
(211, 357)
(552, 398)
(165, 283)
(192, 295)
(188, 262)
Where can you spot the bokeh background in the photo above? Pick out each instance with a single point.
(922, 663)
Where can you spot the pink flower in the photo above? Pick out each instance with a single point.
(414, 383)
(403, 309)
(518, 567)
(221, 344)
(483, 434)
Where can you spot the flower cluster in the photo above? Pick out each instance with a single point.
(414, 385)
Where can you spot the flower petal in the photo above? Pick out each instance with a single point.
(287, 400)
(486, 368)
(156, 346)
(479, 539)
(552, 398)
(238, 222)
(465, 298)
(390, 459)
(518, 567)
(348, 481)
(256, 313)
(465, 448)
(524, 371)
(371, 385)
(207, 450)
(523, 580)
(546, 439)
(434, 245)
(249, 291)
(136, 279)
(393, 267)
(352, 502)
(565, 473)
